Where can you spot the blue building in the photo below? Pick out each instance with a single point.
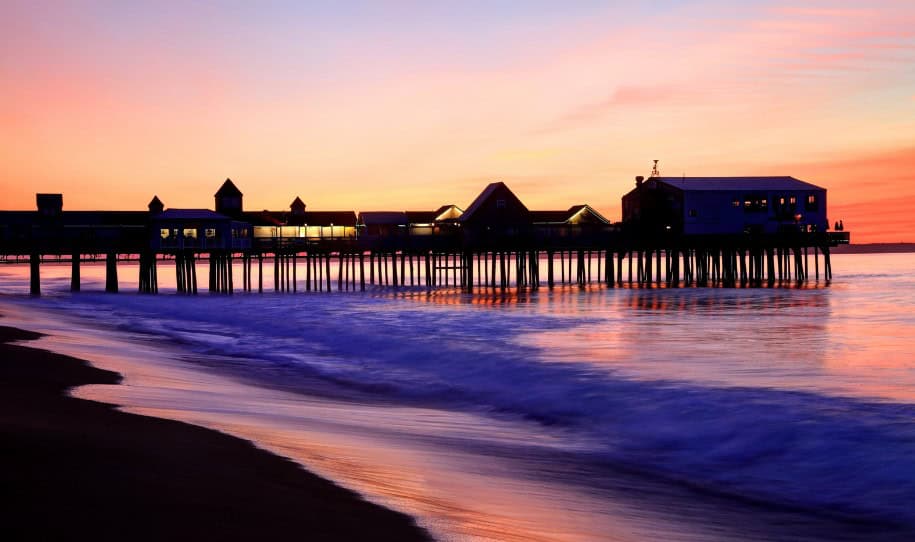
(725, 205)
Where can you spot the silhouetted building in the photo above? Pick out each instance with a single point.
(229, 199)
(450, 212)
(201, 229)
(49, 205)
(576, 220)
(383, 223)
(297, 207)
(156, 206)
(496, 212)
(724, 205)
(297, 223)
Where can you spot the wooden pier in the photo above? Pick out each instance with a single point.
(614, 260)
(665, 240)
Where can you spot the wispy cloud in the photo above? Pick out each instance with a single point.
(630, 96)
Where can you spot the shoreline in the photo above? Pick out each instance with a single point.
(452, 491)
(79, 467)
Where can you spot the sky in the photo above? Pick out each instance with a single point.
(412, 105)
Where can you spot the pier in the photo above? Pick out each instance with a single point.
(615, 260)
(496, 244)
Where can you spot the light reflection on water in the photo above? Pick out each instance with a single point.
(481, 474)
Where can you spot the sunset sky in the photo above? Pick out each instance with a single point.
(411, 105)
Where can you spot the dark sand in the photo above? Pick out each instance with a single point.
(75, 469)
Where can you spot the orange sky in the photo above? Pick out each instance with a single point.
(405, 105)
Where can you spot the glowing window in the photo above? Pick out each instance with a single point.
(164, 233)
(211, 233)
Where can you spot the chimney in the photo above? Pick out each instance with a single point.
(638, 180)
(49, 204)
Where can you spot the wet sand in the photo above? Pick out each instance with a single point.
(75, 469)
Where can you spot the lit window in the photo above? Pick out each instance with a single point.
(811, 202)
(781, 200)
(792, 200)
(190, 233)
(763, 203)
(164, 233)
(747, 204)
(211, 233)
(736, 203)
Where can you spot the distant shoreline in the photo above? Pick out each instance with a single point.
(874, 248)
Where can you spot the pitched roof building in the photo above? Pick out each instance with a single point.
(725, 205)
(229, 199)
(496, 205)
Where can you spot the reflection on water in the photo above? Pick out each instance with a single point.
(564, 414)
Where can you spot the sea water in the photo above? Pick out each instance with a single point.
(567, 414)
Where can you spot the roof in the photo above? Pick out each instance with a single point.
(191, 214)
(383, 217)
(448, 209)
(481, 199)
(484, 197)
(309, 218)
(79, 218)
(228, 188)
(736, 183)
(104, 218)
(155, 201)
(18, 217)
(550, 216)
(562, 217)
(297, 203)
(265, 217)
(421, 217)
(327, 218)
(575, 209)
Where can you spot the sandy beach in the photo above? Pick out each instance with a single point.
(77, 469)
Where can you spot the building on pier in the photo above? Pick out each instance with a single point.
(303, 225)
(229, 199)
(286, 227)
(197, 229)
(442, 221)
(576, 220)
(448, 213)
(724, 205)
(51, 229)
(375, 224)
(496, 213)
(725, 231)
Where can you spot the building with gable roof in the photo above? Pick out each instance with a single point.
(724, 205)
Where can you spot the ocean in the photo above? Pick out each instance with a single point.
(570, 414)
